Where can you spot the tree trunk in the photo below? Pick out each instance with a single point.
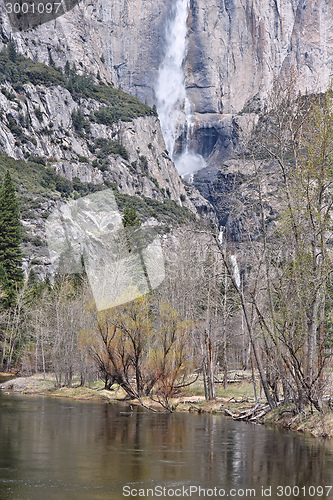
(270, 400)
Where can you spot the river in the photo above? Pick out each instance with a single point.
(61, 449)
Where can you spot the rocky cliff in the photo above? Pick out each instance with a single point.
(63, 136)
(38, 121)
(235, 48)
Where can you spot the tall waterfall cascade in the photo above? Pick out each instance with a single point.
(173, 106)
(235, 267)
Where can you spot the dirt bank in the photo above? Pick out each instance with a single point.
(238, 406)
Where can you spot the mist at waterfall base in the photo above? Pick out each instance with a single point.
(188, 163)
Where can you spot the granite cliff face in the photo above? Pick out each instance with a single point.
(39, 121)
(235, 48)
(57, 149)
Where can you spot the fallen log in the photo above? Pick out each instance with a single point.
(245, 415)
(253, 414)
(261, 414)
(228, 413)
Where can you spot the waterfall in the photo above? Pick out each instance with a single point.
(173, 107)
(235, 269)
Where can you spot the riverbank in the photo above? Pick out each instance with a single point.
(236, 402)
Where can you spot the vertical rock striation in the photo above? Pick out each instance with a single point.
(235, 49)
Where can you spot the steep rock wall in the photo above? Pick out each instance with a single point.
(38, 121)
(37, 125)
(235, 48)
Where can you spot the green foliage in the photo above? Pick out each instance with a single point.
(35, 182)
(118, 105)
(83, 159)
(10, 95)
(10, 239)
(63, 186)
(102, 165)
(21, 70)
(105, 147)
(80, 187)
(108, 116)
(6, 290)
(39, 114)
(78, 120)
(13, 127)
(143, 164)
(37, 159)
(12, 54)
(32, 178)
(154, 181)
(168, 212)
(130, 216)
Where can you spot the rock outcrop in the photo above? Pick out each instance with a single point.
(235, 49)
(38, 121)
(38, 124)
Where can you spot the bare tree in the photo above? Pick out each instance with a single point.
(287, 292)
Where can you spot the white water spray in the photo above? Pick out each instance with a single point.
(173, 107)
(235, 269)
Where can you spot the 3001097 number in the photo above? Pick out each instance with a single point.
(33, 8)
(309, 491)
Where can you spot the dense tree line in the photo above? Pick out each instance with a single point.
(287, 298)
(274, 316)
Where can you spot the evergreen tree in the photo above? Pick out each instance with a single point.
(130, 216)
(12, 54)
(135, 241)
(67, 69)
(10, 239)
(4, 288)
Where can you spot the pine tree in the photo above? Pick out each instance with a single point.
(10, 239)
(130, 216)
(4, 288)
(67, 69)
(12, 54)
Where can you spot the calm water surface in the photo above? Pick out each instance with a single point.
(62, 449)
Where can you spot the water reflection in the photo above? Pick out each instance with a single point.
(51, 448)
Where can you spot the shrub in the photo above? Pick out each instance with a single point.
(64, 186)
(39, 114)
(143, 164)
(155, 181)
(9, 95)
(103, 166)
(83, 159)
(13, 127)
(77, 119)
(37, 159)
(79, 187)
(106, 147)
